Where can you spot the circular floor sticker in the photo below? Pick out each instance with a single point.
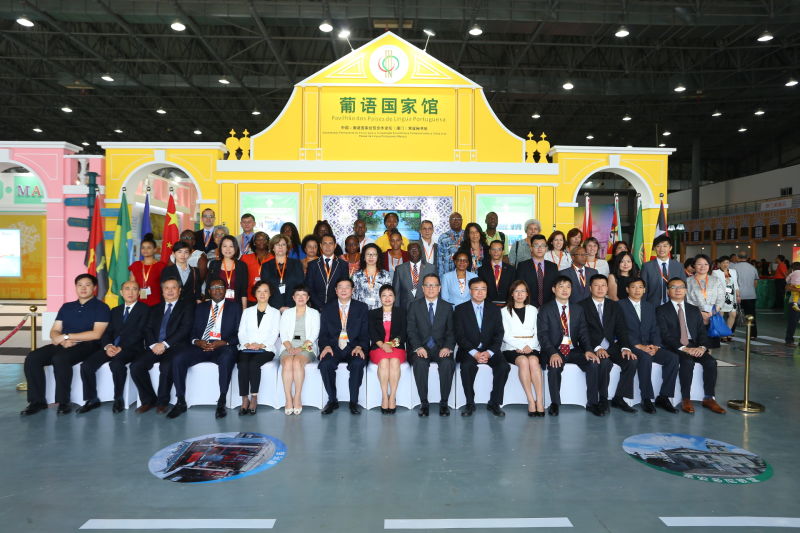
(697, 458)
(217, 457)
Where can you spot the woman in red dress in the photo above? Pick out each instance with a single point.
(387, 331)
(147, 272)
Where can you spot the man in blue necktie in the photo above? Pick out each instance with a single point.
(204, 237)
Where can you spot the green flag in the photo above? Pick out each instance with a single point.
(121, 250)
(637, 247)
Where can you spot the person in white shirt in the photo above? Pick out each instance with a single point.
(430, 249)
(299, 329)
(521, 345)
(592, 246)
(747, 277)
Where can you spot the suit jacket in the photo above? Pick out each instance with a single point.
(130, 332)
(526, 271)
(644, 331)
(518, 334)
(199, 241)
(579, 292)
(651, 274)
(548, 327)
(331, 325)
(402, 283)
(250, 331)
(239, 283)
(323, 290)
(190, 291)
(377, 333)
(420, 328)
(292, 277)
(434, 260)
(178, 328)
(489, 336)
(231, 317)
(671, 331)
(497, 292)
(612, 328)
(288, 321)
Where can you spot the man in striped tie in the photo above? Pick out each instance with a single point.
(214, 339)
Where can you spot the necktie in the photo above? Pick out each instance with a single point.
(124, 319)
(479, 316)
(497, 275)
(664, 279)
(212, 319)
(582, 277)
(414, 275)
(430, 317)
(682, 323)
(600, 312)
(564, 348)
(328, 262)
(162, 333)
(540, 280)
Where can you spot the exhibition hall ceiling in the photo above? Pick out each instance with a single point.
(185, 70)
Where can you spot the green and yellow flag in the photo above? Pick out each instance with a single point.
(637, 247)
(121, 250)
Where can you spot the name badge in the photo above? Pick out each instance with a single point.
(282, 288)
(343, 336)
(144, 293)
(230, 294)
(413, 292)
(214, 336)
(566, 340)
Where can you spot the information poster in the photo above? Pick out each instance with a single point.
(10, 254)
(271, 209)
(408, 222)
(512, 212)
(24, 256)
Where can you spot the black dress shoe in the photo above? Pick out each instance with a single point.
(33, 408)
(619, 403)
(664, 403)
(355, 408)
(118, 406)
(424, 410)
(495, 410)
(540, 414)
(330, 407)
(64, 408)
(553, 409)
(393, 410)
(648, 407)
(603, 405)
(221, 411)
(468, 409)
(384, 411)
(88, 406)
(594, 409)
(444, 410)
(178, 410)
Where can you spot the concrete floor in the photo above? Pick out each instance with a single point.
(347, 473)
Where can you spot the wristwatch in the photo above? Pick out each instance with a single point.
(66, 336)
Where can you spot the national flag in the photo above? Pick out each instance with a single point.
(615, 235)
(637, 247)
(661, 225)
(587, 219)
(96, 254)
(121, 250)
(171, 233)
(145, 226)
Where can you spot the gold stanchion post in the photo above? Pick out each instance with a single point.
(24, 385)
(746, 406)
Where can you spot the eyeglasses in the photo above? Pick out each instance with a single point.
(208, 216)
(429, 286)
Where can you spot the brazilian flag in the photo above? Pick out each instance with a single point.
(121, 250)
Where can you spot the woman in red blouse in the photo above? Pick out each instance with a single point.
(147, 272)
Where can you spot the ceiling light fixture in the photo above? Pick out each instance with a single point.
(622, 32)
(568, 86)
(742, 129)
(791, 82)
(765, 37)
(255, 112)
(177, 26)
(161, 111)
(224, 81)
(37, 130)
(536, 116)
(661, 145)
(326, 26)
(344, 34)
(716, 113)
(590, 137)
(197, 132)
(85, 143)
(679, 88)
(66, 109)
(626, 118)
(25, 21)
(758, 112)
(666, 133)
(117, 130)
(430, 33)
(107, 77)
(475, 30)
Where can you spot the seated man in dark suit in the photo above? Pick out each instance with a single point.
(563, 335)
(324, 273)
(479, 334)
(579, 274)
(343, 338)
(431, 339)
(122, 341)
(214, 339)
(538, 273)
(609, 336)
(645, 341)
(497, 274)
(408, 276)
(165, 334)
(683, 332)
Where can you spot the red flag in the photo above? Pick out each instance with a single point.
(95, 253)
(171, 233)
(587, 219)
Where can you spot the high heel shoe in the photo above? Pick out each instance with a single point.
(288, 411)
(243, 411)
(298, 410)
(252, 410)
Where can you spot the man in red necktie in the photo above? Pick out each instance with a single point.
(497, 274)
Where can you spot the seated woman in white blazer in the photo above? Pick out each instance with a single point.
(521, 345)
(299, 331)
(258, 333)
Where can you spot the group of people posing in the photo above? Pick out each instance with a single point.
(469, 298)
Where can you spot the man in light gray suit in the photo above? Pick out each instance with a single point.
(657, 272)
(431, 338)
(408, 276)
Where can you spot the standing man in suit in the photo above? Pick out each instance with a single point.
(609, 336)
(431, 339)
(248, 224)
(204, 237)
(497, 274)
(343, 338)
(538, 273)
(324, 273)
(579, 274)
(657, 272)
(408, 276)
(683, 332)
(564, 339)
(644, 338)
(166, 333)
(214, 339)
(122, 341)
(430, 249)
(479, 334)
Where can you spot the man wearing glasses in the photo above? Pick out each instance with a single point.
(431, 339)
(538, 273)
(579, 274)
(204, 237)
(683, 332)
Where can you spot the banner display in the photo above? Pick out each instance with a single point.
(271, 209)
(512, 212)
(24, 256)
